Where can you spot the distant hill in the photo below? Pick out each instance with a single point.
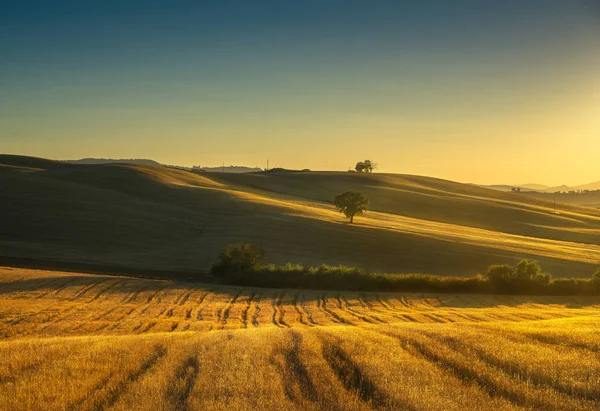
(536, 187)
(590, 186)
(499, 187)
(148, 162)
(227, 169)
(565, 188)
(139, 161)
(503, 187)
(544, 189)
(557, 188)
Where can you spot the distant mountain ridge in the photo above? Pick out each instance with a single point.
(148, 162)
(228, 169)
(545, 189)
(139, 161)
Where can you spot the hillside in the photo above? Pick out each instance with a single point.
(588, 199)
(139, 161)
(157, 218)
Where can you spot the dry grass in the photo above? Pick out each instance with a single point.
(74, 341)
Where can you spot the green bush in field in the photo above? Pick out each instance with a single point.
(238, 258)
(500, 273)
(526, 275)
(530, 271)
(245, 264)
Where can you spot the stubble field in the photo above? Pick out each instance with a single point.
(74, 341)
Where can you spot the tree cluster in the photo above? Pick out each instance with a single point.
(524, 275)
(366, 166)
(236, 258)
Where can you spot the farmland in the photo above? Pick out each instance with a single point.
(150, 218)
(77, 341)
(173, 337)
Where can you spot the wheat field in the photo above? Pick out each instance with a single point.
(75, 341)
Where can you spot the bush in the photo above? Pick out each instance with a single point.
(499, 274)
(244, 265)
(238, 258)
(525, 276)
(530, 271)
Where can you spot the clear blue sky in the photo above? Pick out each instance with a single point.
(479, 91)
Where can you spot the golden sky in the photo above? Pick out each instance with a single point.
(483, 92)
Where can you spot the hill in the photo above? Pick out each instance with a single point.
(227, 169)
(156, 218)
(563, 188)
(533, 186)
(586, 198)
(522, 187)
(545, 189)
(139, 161)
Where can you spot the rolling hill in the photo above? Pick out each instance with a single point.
(140, 161)
(156, 218)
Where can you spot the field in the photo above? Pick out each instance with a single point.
(77, 341)
(172, 338)
(174, 223)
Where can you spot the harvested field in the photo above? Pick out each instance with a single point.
(74, 341)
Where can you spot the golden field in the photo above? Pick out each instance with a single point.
(74, 341)
(169, 221)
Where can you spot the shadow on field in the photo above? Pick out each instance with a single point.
(328, 301)
(81, 284)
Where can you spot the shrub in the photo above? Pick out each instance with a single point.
(244, 265)
(530, 271)
(500, 273)
(525, 276)
(238, 258)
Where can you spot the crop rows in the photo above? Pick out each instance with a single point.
(89, 305)
(98, 342)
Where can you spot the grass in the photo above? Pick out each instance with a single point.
(136, 218)
(76, 341)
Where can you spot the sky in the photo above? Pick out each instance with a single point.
(480, 91)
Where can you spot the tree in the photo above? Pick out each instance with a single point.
(527, 270)
(498, 274)
(351, 203)
(369, 166)
(525, 275)
(237, 258)
(366, 166)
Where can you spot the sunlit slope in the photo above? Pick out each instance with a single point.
(166, 219)
(92, 342)
(437, 200)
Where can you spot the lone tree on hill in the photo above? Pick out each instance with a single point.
(366, 166)
(351, 203)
